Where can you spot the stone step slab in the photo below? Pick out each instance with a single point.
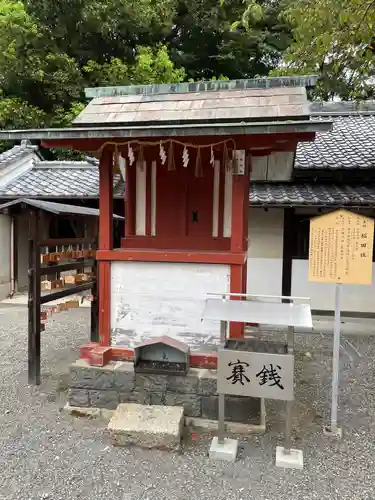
(147, 426)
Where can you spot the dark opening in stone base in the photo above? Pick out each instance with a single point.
(164, 367)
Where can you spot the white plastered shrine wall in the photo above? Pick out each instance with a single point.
(149, 299)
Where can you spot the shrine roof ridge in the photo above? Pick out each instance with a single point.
(186, 130)
(342, 108)
(203, 86)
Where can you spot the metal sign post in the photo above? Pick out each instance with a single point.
(335, 365)
(289, 404)
(257, 368)
(340, 252)
(221, 403)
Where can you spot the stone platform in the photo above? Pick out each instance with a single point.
(196, 392)
(147, 426)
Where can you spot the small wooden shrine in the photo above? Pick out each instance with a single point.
(185, 152)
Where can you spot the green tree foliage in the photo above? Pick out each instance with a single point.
(208, 40)
(102, 29)
(331, 39)
(50, 50)
(150, 66)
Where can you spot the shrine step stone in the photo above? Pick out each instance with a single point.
(147, 426)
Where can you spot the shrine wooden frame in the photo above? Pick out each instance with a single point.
(36, 300)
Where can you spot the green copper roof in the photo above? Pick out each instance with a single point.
(206, 86)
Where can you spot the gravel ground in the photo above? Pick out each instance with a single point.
(46, 454)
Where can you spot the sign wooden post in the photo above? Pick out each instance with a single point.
(340, 252)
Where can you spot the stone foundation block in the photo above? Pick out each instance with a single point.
(190, 402)
(156, 398)
(134, 397)
(124, 377)
(106, 387)
(207, 383)
(142, 397)
(78, 397)
(237, 409)
(92, 377)
(104, 399)
(151, 383)
(147, 426)
(184, 384)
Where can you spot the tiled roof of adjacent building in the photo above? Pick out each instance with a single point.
(269, 194)
(83, 182)
(288, 194)
(16, 153)
(349, 145)
(58, 179)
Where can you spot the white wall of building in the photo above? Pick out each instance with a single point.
(22, 236)
(5, 224)
(354, 298)
(264, 268)
(149, 299)
(264, 265)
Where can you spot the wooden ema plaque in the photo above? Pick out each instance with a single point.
(341, 246)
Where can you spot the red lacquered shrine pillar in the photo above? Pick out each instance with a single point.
(105, 243)
(238, 241)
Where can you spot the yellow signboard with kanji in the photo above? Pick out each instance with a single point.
(341, 246)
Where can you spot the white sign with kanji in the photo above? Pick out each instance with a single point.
(256, 374)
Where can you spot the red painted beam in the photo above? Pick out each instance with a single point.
(143, 255)
(122, 354)
(179, 243)
(203, 360)
(96, 354)
(239, 141)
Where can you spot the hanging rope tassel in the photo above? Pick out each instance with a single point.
(234, 161)
(225, 157)
(162, 154)
(141, 158)
(212, 156)
(130, 154)
(198, 164)
(171, 163)
(116, 162)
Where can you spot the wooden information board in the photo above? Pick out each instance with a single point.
(341, 246)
